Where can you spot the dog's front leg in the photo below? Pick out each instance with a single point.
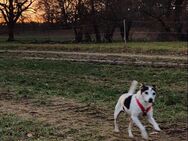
(153, 122)
(140, 126)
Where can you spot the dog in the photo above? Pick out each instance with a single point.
(135, 105)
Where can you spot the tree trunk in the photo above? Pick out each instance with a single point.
(97, 33)
(11, 23)
(95, 26)
(11, 32)
(178, 13)
(108, 35)
(78, 34)
(87, 37)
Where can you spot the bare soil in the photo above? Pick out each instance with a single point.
(111, 58)
(76, 120)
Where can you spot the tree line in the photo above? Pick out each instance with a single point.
(88, 17)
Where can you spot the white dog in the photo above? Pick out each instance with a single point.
(135, 105)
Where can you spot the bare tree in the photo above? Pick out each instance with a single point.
(114, 14)
(12, 11)
(51, 10)
(178, 16)
(94, 20)
(65, 11)
(164, 11)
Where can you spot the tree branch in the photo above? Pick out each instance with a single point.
(167, 28)
(21, 9)
(4, 11)
(4, 16)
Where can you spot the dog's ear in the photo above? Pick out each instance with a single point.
(143, 87)
(154, 87)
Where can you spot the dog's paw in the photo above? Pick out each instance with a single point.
(145, 135)
(158, 129)
(131, 136)
(116, 130)
(145, 138)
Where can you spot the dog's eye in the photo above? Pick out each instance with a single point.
(146, 93)
(154, 93)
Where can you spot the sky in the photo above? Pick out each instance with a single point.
(29, 16)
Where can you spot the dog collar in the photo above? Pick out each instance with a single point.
(145, 111)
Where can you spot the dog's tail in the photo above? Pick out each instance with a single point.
(133, 87)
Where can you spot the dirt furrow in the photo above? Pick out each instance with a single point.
(110, 58)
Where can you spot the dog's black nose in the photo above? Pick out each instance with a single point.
(150, 100)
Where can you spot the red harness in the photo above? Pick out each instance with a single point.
(145, 111)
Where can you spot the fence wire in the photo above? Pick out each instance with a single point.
(139, 31)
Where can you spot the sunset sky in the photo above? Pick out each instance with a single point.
(31, 15)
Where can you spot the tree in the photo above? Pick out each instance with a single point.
(65, 11)
(51, 10)
(94, 20)
(11, 11)
(114, 13)
(79, 19)
(168, 13)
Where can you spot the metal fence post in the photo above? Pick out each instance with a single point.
(125, 39)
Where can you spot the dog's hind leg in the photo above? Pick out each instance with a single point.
(117, 111)
(130, 128)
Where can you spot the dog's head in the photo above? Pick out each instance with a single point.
(148, 93)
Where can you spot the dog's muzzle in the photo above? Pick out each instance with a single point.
(150, 100)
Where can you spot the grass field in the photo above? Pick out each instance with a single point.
(33, 84)
(166, 48)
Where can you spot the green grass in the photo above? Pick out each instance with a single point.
(118, 47)
(100, 84)
(14, 128)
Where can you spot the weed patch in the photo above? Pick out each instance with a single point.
(15, 128)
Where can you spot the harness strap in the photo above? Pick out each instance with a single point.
(145, 111)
